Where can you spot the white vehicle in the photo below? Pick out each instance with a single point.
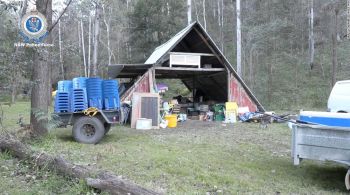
(339, 99)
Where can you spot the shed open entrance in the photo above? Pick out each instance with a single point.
(205, 84)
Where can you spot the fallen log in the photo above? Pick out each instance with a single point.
(102, 180)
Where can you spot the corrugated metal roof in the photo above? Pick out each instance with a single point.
(160, 51)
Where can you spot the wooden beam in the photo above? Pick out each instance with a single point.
(190, 53)
(211, 75)
(176, 76)
(133, 65)
(188, 87)
(191, 69)
(229, 87)
(210, 47)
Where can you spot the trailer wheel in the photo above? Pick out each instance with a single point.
(107, 127)
(347, 180)
(88, 130)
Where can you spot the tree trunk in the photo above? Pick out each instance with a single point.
(239, 38)
(251, 53)
(348, 20)
(222, 27)
(41, 81)
(311, 34)
(89, 49)
(334, 48)
(102, 180)
(24, 9)
(196, 9)
(14, 66)
(220, 23)
(83, 48)
(108, 26)
(96, 36)
(204, 16)
(219, 14)
(60, 48)
(189, 12)
(79, 41)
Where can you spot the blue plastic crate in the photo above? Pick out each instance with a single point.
(79, 100)
(94, 92)
(64, 86)
(110, 94)
(95, 102)
(79, 83)
(62, 102)
(111, 103)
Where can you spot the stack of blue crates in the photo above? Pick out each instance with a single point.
(62, 101)
(79, 96)
(79, 100)
(110, 95)
(94, 92)
(81, 93)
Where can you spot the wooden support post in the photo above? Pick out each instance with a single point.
(210, 47)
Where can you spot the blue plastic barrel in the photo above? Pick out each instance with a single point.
(79, 83)
(64, 86)
(94, 92)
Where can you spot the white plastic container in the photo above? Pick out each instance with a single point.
(144, 124)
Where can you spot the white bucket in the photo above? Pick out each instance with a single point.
(144, 124)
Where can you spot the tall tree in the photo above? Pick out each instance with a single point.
(107, 22)
(94, 67)
(204, 16)
(239, 38)
(189, 12)
(348, 19)
(86, 67)
(41, 81)
(60, 48)
(311, 34)
(334, 45)
(89, 47)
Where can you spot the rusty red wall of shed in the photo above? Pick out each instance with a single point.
(142, 85)
(239, 95)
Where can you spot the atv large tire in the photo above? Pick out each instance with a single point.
(88, 130)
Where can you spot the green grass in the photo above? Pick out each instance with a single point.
(194, 158)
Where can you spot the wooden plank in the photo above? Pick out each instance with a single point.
(191, 54)
(141, 85)
(192, 69)
(214, 74)
(228, 86)
(210, 47)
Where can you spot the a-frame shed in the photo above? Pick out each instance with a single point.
(192, 56)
